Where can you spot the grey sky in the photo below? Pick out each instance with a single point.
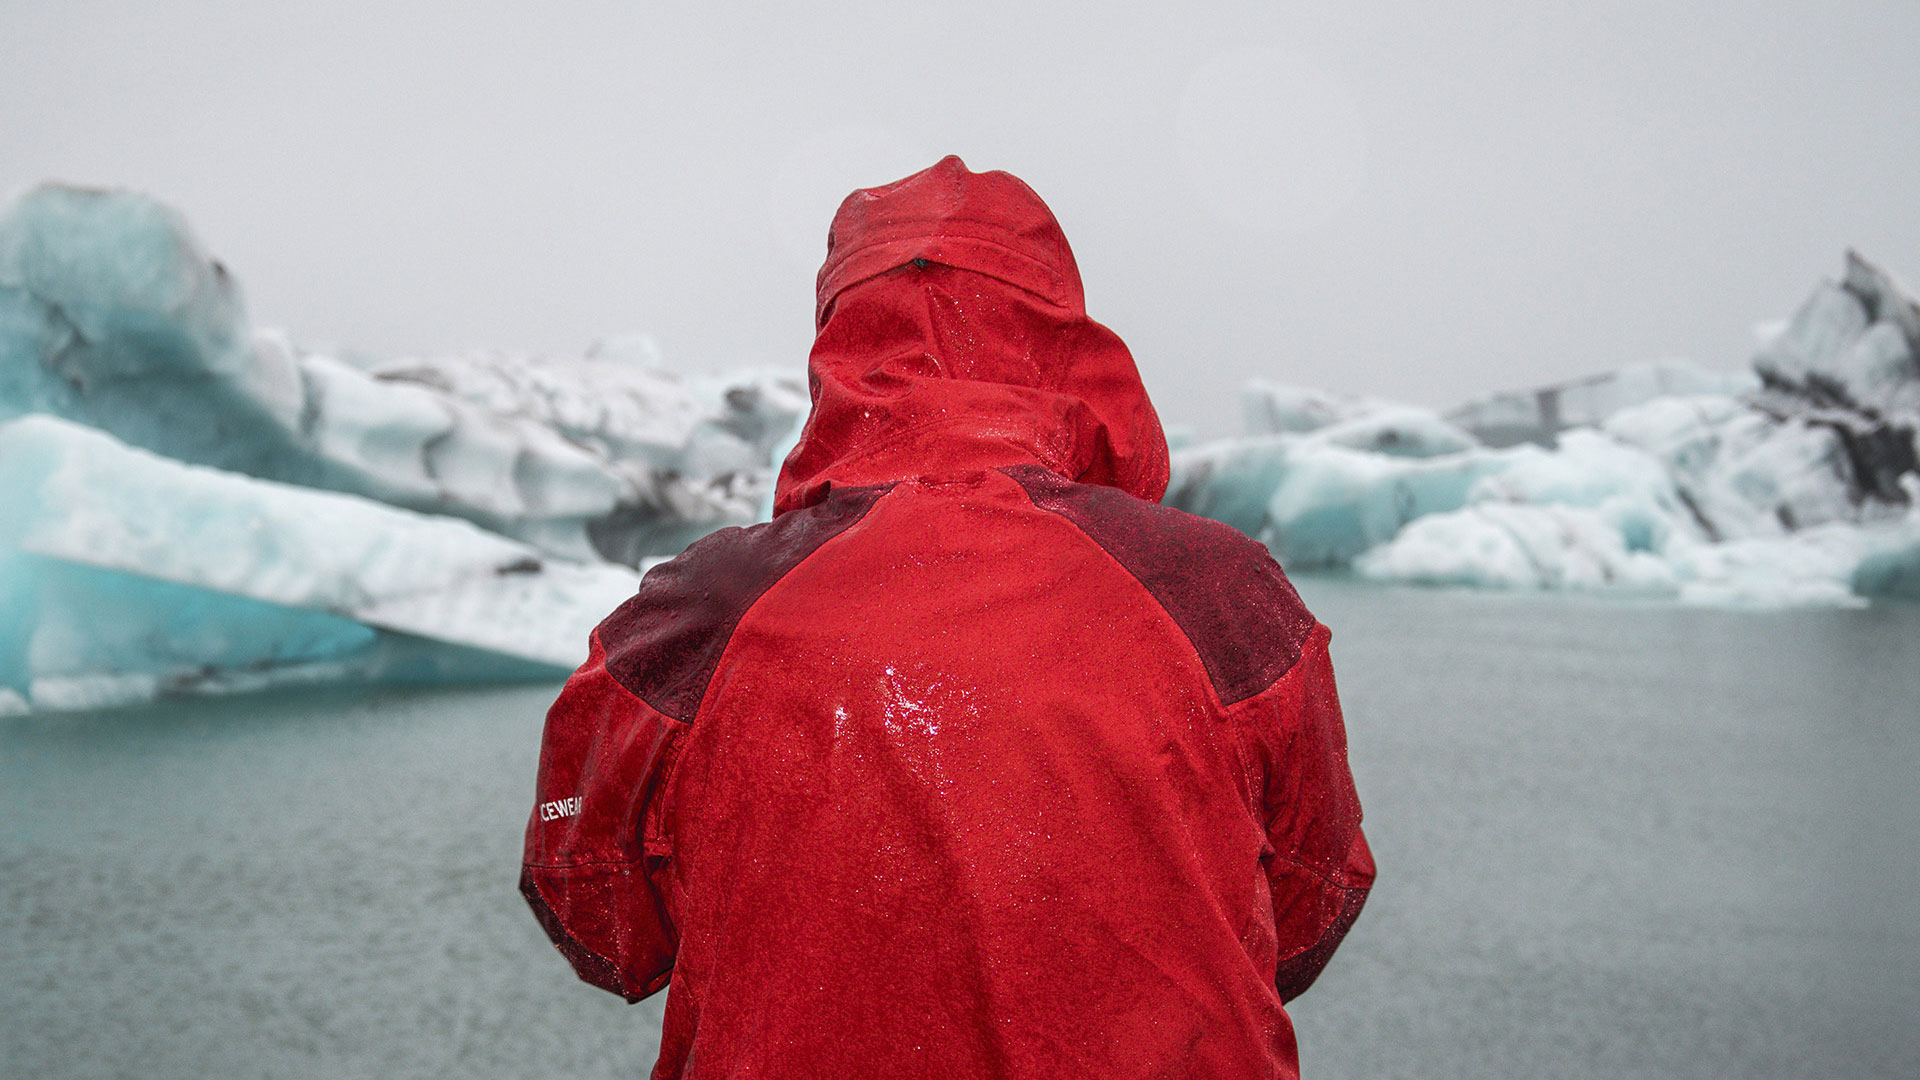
(1422, 200)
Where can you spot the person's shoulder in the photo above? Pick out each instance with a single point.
(1224, 589)
(664, 643)
(1117, 516)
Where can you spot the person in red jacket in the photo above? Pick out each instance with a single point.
(975, 761)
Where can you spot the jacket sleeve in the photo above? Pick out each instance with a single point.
(1318, 866)
(595, 844)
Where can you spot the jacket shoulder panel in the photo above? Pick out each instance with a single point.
(1225, 592)
(664, 643)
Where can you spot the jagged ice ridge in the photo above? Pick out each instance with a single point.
(1795, 483)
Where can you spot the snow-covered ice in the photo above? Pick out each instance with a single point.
(1538, 415)
(1795, 483)
(123, 572)
(1385, 427)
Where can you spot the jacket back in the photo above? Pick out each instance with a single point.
(975, 761)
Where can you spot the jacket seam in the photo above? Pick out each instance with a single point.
(664, 799)
(618, 975)
(1213, 691)
(733, 627)
(1057, 280)
(585, 864)
(1343, 886)
(594, 637)
(733, 632)
(1237, 736)
(665, 789)
(1053, 459)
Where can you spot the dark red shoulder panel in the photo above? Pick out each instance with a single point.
(664, 643)
(1225, 591)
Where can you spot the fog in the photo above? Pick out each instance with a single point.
(1424, 201)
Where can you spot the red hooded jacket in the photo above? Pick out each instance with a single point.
(975, 761)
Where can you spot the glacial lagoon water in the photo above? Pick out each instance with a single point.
(1615, 840)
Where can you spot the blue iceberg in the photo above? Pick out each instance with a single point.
(197, 505)
(112, 315)
(1797, 482)
(124, 574)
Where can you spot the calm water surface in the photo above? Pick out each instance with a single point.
(1614, 840)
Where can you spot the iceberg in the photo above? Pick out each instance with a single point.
(1797, 482)
(1323, 477)
(1275, 408)
(1321, 505)
(124, 574)
(1358, 423)
(1537, 416)
(112, 315)
(1849, 362)
(1333, 502)
(1852, 343)
(1504, 545)
(196, 504)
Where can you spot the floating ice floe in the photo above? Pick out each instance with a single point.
(124, 574)
(1797, 483)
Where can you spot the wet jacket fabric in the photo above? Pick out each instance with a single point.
(975, 761)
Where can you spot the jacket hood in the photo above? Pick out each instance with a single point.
(951, 336)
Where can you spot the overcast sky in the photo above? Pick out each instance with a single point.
(1422, 200)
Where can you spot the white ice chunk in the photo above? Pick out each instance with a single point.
(1326, 503)
(1586, 469)
(1827, 322)
(1274, 408)
(1743, 472)
(1588, 515)
(692, 454)
(1811, 569)
(1540, 415)
(1853, 343)
(1503, 545)
(619, 409)
(1241, 481)
(1360, 423)
(1399, 430)
(1879, 369)
(121, 562)
(408, 445)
